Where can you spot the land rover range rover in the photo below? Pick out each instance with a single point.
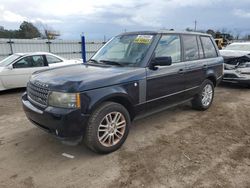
(132, 75)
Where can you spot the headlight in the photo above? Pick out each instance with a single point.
(65, 100)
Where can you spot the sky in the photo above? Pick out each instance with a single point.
(98, 18)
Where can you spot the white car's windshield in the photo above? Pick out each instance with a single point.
(124, 50)
(238, 47)
(9, 60)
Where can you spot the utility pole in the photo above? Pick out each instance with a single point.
(195, 25)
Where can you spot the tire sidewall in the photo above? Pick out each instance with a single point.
(112, 107)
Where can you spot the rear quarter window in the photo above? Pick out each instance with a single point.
(52, 59)
(209, 48)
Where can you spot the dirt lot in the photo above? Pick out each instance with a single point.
(175, 148)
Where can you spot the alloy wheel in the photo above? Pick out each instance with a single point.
(207, 95)
(111, 129)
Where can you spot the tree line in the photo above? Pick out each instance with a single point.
(28, 30)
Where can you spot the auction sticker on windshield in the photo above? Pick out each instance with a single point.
(143, 39)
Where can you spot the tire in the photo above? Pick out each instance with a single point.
(199, 102)
(103, 136)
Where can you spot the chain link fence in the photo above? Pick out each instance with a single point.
(70, 49)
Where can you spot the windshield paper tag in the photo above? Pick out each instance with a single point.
(143, 39)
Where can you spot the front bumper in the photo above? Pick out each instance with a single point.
(1, 85)
(64, 123)
(232, 76)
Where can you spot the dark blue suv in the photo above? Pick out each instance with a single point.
(134, 74)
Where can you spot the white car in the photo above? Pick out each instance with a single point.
(237, 63)
(16, 69)
(236, 49)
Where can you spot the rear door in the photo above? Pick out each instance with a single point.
(196, 63)
(198, 68)
(19, 75)
(165, 84)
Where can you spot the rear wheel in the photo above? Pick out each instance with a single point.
(204, 99)
(108, 128)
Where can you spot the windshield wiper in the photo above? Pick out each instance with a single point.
(93, 60)
(111, 62)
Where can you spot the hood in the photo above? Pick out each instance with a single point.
(81, 77)
(73, 61)
(233, 53)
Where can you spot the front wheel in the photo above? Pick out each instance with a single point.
(108, 128)
(204, 99)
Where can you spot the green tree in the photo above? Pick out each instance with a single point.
(28, 31)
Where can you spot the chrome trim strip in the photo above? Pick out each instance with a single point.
(36, 103)
(171, 94)
(31, 107)
(219, 77)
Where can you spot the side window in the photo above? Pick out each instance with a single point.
(169, 45)
(191, 51)
(51, 59)
(201, 53)
(209, 48)
(29, 62)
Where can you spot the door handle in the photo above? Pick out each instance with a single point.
(181, 71)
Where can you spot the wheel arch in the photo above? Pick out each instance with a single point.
(212, 78)
(119, 98)
(211, 75)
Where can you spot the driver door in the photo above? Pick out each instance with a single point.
(165, 84)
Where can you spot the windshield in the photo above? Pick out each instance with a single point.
(124, 50)
(238, 47)
(9, 60)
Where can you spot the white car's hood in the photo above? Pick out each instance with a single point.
(233, 53)
(73, 61)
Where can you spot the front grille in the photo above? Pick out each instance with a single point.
(228, 75)
(247, 73)
(38, 93)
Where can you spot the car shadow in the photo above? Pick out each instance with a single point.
(36, 143)
(234, 86)
(13, 91)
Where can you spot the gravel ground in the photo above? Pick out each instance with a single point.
(179, 147)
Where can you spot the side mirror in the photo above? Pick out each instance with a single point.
(10, 67)
(162, 61)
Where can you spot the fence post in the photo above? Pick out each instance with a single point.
(83, 49)
(49, 42)
(11, 48)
